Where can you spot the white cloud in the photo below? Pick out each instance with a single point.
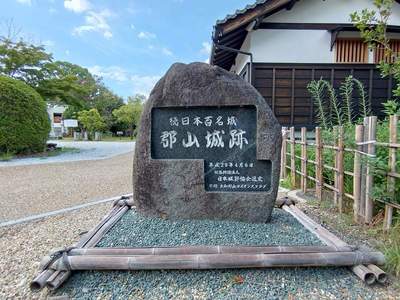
(67, 52)
(27, 2)
(146, 35)
(138, 84)
(166, 52)
(206, 48)
(77, 6)
(96, 22)
(52, 10)
(143, 84)
(132, 27)
(113, 72)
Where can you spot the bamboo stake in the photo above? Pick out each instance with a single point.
(391, 181)
(219, 261)
(363, 169)
(304, 159)
(369, 177)
(319, 163)
(340, 167)
(292, 158)
(335, 173)
(186, 250)
(357, 173)
(283, 153)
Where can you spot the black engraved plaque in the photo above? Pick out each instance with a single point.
(224, 137)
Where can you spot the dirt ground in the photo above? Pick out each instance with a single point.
(35, 189)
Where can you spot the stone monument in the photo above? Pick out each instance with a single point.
(208, 148)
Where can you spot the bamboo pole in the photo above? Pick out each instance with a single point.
(292, 158)
(327, 237)
(304, 159)
(380, 275)
(319, 163)
(357, 173)
(369, 177)
(340, 167)
(54, 279)
(218, 261)
(185, 250)
(364, 274)
(283, 153)
(363, 169)
(335, 172)
(323, 234)
(391, 181)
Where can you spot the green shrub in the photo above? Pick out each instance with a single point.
(24, 123)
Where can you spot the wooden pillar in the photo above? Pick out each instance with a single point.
(357, 173)
(391, 181)
(364, 159)
(283, 153)
(340, 167)
(318, 166)
(303, 183)
(292, 158)
(369, 177)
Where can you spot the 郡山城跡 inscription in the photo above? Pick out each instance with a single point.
(224, 137)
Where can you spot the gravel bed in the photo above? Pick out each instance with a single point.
(23, 246)
(278, 283)
(137, 230)
(31, 190)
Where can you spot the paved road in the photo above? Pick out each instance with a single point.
(87, 151)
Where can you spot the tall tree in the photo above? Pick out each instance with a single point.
(129, 114)
(372, 24)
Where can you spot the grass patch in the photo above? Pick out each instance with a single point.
(6, 156)
(391, 250)
(285, 183)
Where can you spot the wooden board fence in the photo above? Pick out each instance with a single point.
(362, 173)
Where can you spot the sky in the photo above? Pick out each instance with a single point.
(129, 43)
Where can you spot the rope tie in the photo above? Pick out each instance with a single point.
(62, 253)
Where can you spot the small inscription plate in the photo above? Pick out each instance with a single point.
(224, 137)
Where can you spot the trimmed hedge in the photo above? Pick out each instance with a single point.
(24, 123)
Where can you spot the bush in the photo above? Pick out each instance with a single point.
(24, 123)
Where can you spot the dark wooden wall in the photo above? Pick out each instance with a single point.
(284, 87)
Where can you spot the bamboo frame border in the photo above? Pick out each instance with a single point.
(59, 270)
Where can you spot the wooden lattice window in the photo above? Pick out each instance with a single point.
(351, 51)
(379, 53)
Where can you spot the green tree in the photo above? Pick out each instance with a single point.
(91, 121)
(372, 24)
(129, 114)
(24, 123)
(23, 61)
(105, 101)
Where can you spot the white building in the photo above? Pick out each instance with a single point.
(55, 112)
(285, 44)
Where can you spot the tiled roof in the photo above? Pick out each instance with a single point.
(241, 11)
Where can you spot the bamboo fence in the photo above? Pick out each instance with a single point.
(362, 173)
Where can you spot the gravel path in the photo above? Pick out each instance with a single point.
(23, 246)
(34, 189)
(89, 150)
(301, 283)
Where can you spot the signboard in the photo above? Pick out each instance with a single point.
(70, 123)
(224, 137)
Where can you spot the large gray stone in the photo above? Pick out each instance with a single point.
(175, 188)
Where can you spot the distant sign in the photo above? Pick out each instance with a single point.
(71, 123)
(120, 132)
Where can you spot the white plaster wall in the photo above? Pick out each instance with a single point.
(291, 46)
(303, 46)
(327, 11)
